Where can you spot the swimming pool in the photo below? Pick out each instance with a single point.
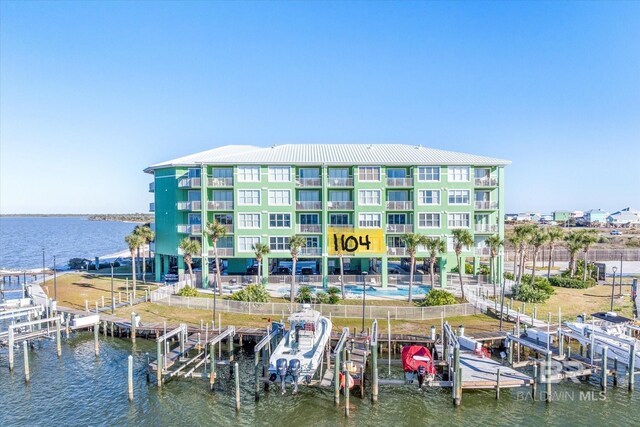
(355, 291)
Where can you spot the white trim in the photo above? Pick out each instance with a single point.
(430, 204)
(278, 204)
(278, 250)
(458, 204)
(249, 228)
(249, 204)
(370, 213)
(237, 171)
(429, 180)
(279, 228)
(274, 168)
(246, 237)
(360, 202)
(370, 180)
(430, 227)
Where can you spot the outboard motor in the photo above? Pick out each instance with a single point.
(422, 371)
(294, 371)
(281, 369)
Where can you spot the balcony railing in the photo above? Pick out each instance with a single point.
(309, 206)
(341, 225)
(309, 182)
(486, 182)
(400, 206)
(399, 182)
(340, 182)
(396, 251)
(222, 252)
(152, 187)
(228, 227)
(309, 228)
(190, 228)
(399, 228)
(486, 205)
(189, 183)
(190, 206)
(220, 206)
(310, 252)
(339, 205)
(152, 207)
(482, 251)
(485, 228)
(220, 182)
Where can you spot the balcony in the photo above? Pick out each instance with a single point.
(190, 206)
(189, 183)
(308, 182)
(310, 252)
(222, 252)
(399, 206)
(309, 228)
(396, 251)
(482, 251)
(341, 225)
(399, 182)
(152, 187)
(309, 206)
(485, 228)
(152, 207)
(220, 182)
(190, 228)
(399, 228)
(340, 182)
(339, 206)
(228, 227)
(220, 206)
(486, 182)
(486, 205)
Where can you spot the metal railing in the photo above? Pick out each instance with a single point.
(486, 205)
(399, 228)
(221, 206)
(561, 254)
(418, 279)
(189, 183)
(400, 206)
(310, 252)
(486, 182)
(222, 252)
(396, 251)
(485, 228)
(220, 182)
(152, 207)
(482, 251)
(309, 228)
(190, 228)
(314, 206)
(399, 182)
(190, 206)
(340, 182)
(339, 205)
(309, 182)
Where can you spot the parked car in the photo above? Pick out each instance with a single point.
(616, 233)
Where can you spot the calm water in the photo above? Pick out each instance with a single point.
(80, 390)
(22, 240)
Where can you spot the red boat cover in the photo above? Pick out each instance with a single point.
(411, 363)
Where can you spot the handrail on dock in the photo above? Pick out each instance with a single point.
(180, 329)
(343, 338)
(374, 332)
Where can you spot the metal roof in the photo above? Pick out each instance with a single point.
(330, 154)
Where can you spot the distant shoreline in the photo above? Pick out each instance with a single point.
(134, 217)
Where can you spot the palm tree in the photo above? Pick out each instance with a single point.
(515, 241)
(494, 242)
(524, 232)
(341, 260)
(134, 241)
(216, 231)
(538, 239)
(296, 243)
(435, 246)
(574, 244)
(411, 242)
(553, 234)
(461, 238)
(260, 250)
(190, 248)
(147, 235)
(588, 238)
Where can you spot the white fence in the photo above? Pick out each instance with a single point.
(166, 291)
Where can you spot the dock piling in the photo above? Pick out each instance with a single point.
(11, 344)
(159, 364)
(534, 384)
(457, 376)
(547, 376)
(346, 387)
(133, 327)
(58, 343)
(25, 349)
(336, 379)
(615, 371)
(603, 376)
(498, 384)
(95, 338)
(632, 365)
(236, 374)
(130, 377)
(374, 371)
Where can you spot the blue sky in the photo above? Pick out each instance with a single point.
(93, 92)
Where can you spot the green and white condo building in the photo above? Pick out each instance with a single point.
(269, 194)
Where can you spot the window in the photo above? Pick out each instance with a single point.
(222, 173)
(225, 242)
(429, 173)
(458, 173)
(279, 244)
(396, 173)
(369, 220)
(245, 243)
(249, 173)
(339, 196)
(249, 220)
(279, 197)
(279, 174)
(280, 220)
(194, 196)
(369, 173)
(309, 173)
(451, 245)
(458, 197)
(338, 173)
(482, 173)
(249, 197)
(369, 197)
(395, 242)
(193, 173)
(194, 219)
(308, 196)
(311, 219)
(224, 219)
(397, 196)
(339, 219)
(459, 220)
(223, 196)
(429, 220)
(429, 197)
(313, 242)
(396, 219)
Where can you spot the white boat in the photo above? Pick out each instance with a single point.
(300, 352)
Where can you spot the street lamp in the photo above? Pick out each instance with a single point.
(613, 286)
(113, 300)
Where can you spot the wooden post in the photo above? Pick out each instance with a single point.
(58, 343)
(374, 371)
(236, 374)
(25, 349)
(346, 387)
(560, 341)
(498, 384)
(632, 365)
(230, 348)
(212, 366)
(133, 327)
(11, 344)
(95, 338)
(510, 352)
(159, 364)
(457, 374)
(130, 376)
(336, 379)
(603, 376)
(104, 328)
(534, 385)
(615, 371)
(362, 381)
(548, 376)
(256, 364)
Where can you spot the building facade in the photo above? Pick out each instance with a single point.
(269, 194)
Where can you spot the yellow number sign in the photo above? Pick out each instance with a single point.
(347, 241)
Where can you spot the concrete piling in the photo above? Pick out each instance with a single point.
(95, 339)
(236, 374)
(133, 327)
(130, 377)
(603, 376)
(632, 365)
(58, 339)
(498, 384)
(25, 349)
(547, 375)
(374, 370)
(212, 366)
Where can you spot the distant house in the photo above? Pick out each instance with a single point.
(624, 218)
(595, 217)
(510, 217)
(577, 214)
(561, 216)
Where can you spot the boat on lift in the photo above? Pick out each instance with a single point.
(299, 353)
(417, 362)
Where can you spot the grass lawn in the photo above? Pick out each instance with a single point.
(75, 288)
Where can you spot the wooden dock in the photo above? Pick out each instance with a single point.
(482, 373)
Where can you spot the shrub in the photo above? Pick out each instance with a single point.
(591, 270)
(333, 295)
(437, 297)
(252, 293)
(77, 263)
(468, 269)
(567, 282)
(509, 275)
(188, 291)
(484, 269)
(538, 292)
(304, 294)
